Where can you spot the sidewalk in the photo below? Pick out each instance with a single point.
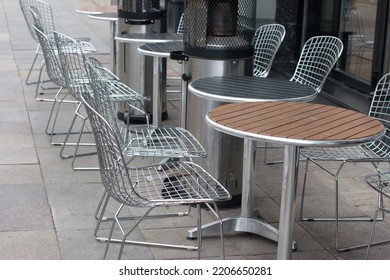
(47, 209)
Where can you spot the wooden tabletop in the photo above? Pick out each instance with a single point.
(295, 123)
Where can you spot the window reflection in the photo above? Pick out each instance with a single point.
(358, 28)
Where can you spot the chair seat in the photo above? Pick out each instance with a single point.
(351, 153)
(177, 182)
(120, 92)
(380, 183)
(162, 142)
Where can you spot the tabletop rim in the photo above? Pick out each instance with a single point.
(294, 141)
(236, 99)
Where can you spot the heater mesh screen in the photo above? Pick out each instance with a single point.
(220, 25)
(140, 9)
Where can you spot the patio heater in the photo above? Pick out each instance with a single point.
(135, 70)
(217, 42)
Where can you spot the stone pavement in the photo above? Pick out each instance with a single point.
(47, 209)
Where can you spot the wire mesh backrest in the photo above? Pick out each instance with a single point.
(52, 63)
(317, 59)
(113, 170)
(25, 5)
(380, 110)
(72, 60)
(45, 16)
(180, 27)
(100, 99)
(266, 42)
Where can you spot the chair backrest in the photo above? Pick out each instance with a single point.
(266, 42)
(380, 110)
(180, 27)
(318, 56)
(25, 6)
(72, 60)
(113, 169)
(45, 16)
(52, 63)
(100, 100)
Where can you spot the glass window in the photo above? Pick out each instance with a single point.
(357, 31)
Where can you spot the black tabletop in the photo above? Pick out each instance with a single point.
(248, 88)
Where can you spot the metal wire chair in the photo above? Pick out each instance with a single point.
(137, 140)
(375, 152)
(178, 183)
(25, 5)
(318, 56)
(72, 60)
(54, 71)
(381, 184)
(44, 20)
(266, 42)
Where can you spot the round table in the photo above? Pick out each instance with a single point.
(113, 19)
(135, 40)
(245, 89)
(292, 124)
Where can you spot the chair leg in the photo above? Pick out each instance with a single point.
(337, 219)
(31, 68)
(372, 233)
(117, 221)
(102, 206)
(77, 143)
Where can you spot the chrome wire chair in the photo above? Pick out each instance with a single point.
(266, 42)
(177, 183)
(25, 5)
(375, 152)
(54, 71)
(72, 61)
(181, 25)
(44, 20)
(381, 184)
(137, 140)
(318, 57)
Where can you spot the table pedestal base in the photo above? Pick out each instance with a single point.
(238, 224)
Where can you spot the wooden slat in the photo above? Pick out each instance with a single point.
(296, 120)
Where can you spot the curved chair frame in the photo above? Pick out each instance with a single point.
(318, 57)
(381, 184)
(375, 152)
(178, 183)
(266, 42)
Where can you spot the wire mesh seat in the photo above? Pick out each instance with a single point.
(144, 140)
(318, 56)
(178, 183)
(375, 152)
(266, 42)
(381, 184)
